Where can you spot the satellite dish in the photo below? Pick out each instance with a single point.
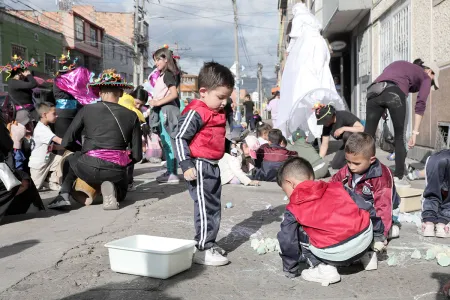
(303, 116)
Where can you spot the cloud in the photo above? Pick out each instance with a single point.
(204, 30)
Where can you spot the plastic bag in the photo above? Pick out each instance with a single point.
(7, 177)
(387, 139)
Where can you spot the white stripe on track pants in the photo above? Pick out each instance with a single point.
(206, 192)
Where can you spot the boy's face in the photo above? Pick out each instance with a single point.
(50, 116)
(359, 163)
(215, 99)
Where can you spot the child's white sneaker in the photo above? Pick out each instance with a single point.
(394, 232)
(370, 261)
(428, 230)
(210, 257)
(442, 230)
(323, 274)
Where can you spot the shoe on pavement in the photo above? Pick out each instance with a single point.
(401, 183)
(109, 196)
(323, 274)
(210, 257)
(59, 202)
(442, 230)
(131, 187)
(168, 178)
(428, 230)
(54, 186)
(370, 261)
(394, 232)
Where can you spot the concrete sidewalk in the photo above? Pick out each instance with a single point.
(62, 255)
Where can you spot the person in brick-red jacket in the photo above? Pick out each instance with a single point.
(369, 178)
(200, 144)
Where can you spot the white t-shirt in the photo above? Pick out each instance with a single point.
(42, 137)
(262, 141)
(356, 179)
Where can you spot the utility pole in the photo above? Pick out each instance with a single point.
(135, 44)
(143, 44)
(260, 96)
(238, 67)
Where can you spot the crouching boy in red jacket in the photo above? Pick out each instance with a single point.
(322, 224)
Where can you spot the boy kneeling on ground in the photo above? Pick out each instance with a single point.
(368, 177)
(322, 225)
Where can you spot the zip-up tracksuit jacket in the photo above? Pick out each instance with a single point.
(200, 144)
(378, 189)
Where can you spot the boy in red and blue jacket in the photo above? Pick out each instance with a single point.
(200, 144)
(323, 224)
(369, 178)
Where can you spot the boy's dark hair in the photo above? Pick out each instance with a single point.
(261, 129)
(140, 93)
(360, 143)
(248, 96)
(213, 75)
(275, 136)
(283, 140)
(296, 167)
(44, 107)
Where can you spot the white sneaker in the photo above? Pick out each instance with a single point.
(428, 230)
(131, 187)
(168, 178)
(54, 186)
(394, 232)
(441, 232)
(109, 196)
(370, 261)
(401, 183)
(210, 257)
(324, 274)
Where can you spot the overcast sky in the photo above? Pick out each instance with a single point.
(203, 29)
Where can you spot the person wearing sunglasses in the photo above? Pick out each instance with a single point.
(389, 92)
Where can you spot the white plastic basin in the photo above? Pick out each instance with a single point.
(151, 256)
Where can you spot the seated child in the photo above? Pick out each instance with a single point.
(307, 151)
(369, 178)
(42, 160)
(270, 157)
(18, 132)
(322, 224)
(248, 149)
(256, 119)
(436, 203)
(262, 133)
(231, 171)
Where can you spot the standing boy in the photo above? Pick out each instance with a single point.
(200, 144)
(369, 178)
(322, 224)
(42, 160)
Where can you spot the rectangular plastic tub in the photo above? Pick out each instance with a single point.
(151, 256)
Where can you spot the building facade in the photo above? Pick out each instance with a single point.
(118, 55)
(28, 40)
(188, 86)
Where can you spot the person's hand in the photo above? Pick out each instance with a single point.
(338, 132)
(254, 183)
(190, 174)
(26, 73)
(412, 141)
(154, 103)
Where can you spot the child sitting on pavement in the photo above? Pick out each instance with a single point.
(42, 160)
(307, 151)
(322, 225)
(436, 202)
(270, 157)
(369, 178)
(262, 133)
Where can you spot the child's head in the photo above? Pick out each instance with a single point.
(293, 172)
(140, 96)
(284, 142)
(216, 84)
(297, 135)
(164, 61)
(256, 112)
(360, 152)
(275, 136)
(247, 97)
(262, 131)
(47, 112)
(244, 125)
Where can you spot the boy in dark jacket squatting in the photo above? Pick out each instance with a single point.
(322, 225)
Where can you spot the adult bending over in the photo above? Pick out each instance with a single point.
(389, 91)
(340, 125)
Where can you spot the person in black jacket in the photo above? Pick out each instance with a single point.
(108, 129)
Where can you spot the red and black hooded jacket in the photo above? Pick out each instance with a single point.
(201, 134)
(269, 159)
(327, 213)
(377, 188)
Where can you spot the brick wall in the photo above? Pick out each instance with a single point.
(118, 25)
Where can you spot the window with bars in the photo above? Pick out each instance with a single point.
(79, 29)
(19, 51)
(93, 36)
(50, 64)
